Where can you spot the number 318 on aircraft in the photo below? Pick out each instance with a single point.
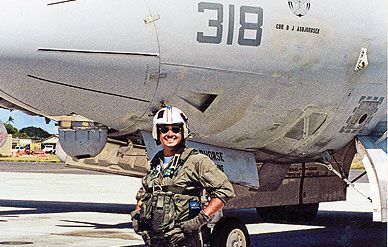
(244, 26)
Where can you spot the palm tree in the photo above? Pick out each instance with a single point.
(10, 120)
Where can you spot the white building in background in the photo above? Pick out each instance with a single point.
(53, 140)
(20, 142)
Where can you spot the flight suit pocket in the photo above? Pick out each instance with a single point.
(146, 207)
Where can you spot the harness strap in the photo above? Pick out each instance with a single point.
(184, 156)
(175, 190)
(186, 153)
(179, 161)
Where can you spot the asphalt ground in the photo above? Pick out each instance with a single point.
(50, 205)
(43, 167)
(60, 168)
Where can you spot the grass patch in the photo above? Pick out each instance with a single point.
(31, 158)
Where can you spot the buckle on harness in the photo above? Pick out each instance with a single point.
(157, 188)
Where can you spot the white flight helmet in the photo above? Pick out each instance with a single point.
(169, 115)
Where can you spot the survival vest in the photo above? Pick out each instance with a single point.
(158, 210)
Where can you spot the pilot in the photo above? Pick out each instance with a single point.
(171, 206)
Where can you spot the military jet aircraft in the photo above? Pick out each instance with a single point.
(275, 91)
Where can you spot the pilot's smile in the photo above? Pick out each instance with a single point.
(170, 135)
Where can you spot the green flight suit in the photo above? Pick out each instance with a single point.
(187, 176)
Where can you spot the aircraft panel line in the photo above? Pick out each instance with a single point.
(97, 52)
(214, 69)
(87, 89)
(66, 1)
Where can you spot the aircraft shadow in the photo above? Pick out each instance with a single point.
(93, 225)
(44, 207)
(346, 236)
(332, 228)
(323, 218)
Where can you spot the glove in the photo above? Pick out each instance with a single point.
(175, 236)
(135, 216)
(146, 238)
(195, 224)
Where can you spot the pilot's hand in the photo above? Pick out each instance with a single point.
(175, 236)
(146, 238)
(195, 224)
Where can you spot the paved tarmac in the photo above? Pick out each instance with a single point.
(56, 207)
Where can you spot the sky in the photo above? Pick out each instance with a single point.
(22, 120)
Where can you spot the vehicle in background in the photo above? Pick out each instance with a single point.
(32, 148)
(49, 149)
(17, 151)
(28, 150)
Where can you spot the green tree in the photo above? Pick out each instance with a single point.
(11, 129)
(20, 135)
(34, 132)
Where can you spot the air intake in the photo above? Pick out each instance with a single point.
(200, 101)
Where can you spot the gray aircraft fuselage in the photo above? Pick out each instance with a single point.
(274, 77)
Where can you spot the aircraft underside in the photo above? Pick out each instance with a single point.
(262, 82)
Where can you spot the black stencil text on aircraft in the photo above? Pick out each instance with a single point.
(245, 27)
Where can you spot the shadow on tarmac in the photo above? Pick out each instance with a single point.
(44, 207)
(78, 224)
(338, 228)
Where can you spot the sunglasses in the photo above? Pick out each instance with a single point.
(174, 129)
